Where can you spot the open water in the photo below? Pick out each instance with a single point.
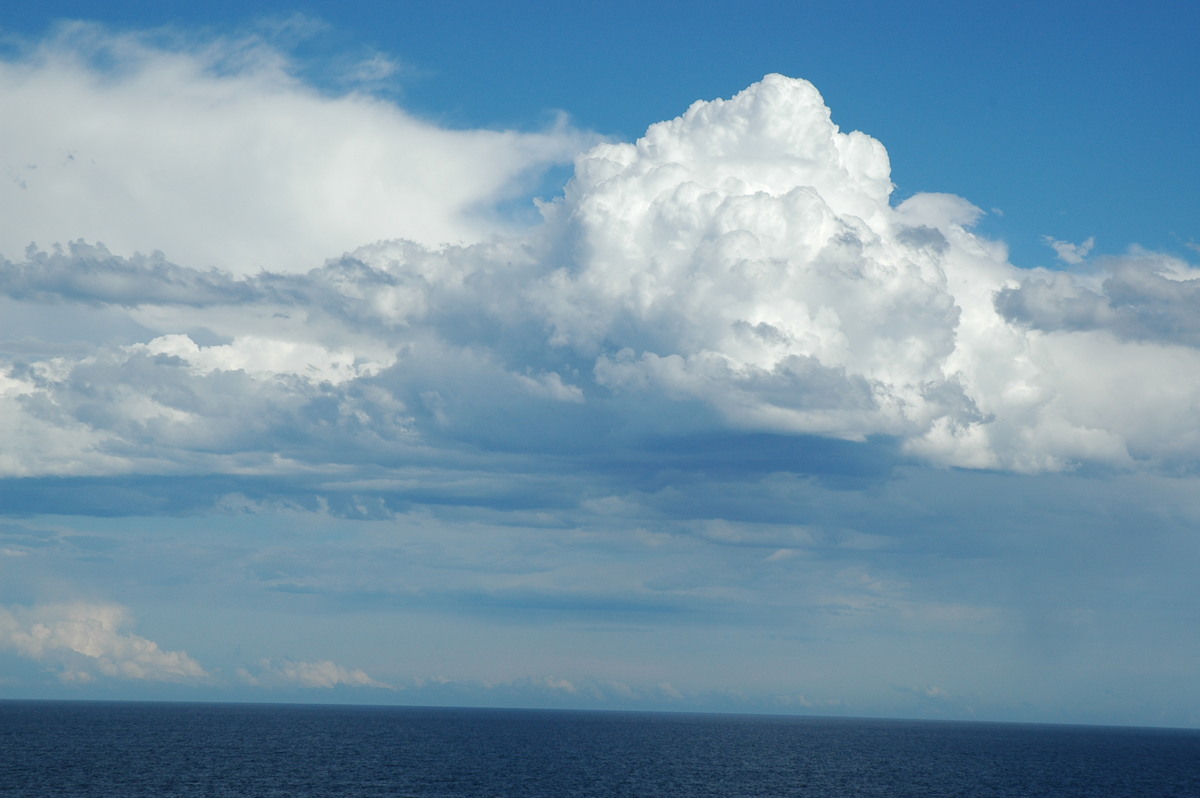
(51, 748)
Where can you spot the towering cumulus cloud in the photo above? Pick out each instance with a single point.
(745, 255)
(740, 267)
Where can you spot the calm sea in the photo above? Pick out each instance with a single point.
(50, 748)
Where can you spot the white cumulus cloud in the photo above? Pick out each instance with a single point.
(84, 641)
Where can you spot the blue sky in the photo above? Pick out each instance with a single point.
(450, 355)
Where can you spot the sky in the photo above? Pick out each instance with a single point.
(783, 358)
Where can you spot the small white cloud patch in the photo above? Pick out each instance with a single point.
(1067, 252)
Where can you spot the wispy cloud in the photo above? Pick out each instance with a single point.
(214, 152)
(1067, 252)
(298, 673)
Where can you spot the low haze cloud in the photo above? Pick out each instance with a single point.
(297, 673)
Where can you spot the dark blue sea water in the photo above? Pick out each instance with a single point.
(159, 749)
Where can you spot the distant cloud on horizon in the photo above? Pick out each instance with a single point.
(84, 641)
(293, 673)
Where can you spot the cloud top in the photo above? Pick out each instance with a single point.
(744, 255)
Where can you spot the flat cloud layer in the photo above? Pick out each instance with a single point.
(323, 674)
(738, 268)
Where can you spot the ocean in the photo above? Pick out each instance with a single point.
(69, 748)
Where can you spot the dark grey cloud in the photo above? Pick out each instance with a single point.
(1139, 298)
(90, 274)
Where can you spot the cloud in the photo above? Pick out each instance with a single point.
(1142, 296)
(86, 641)
(739, 270)
(295, 673)
(544, 690)
(674, 556)
(214, 151)
(92, 275)
(1067, 252)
